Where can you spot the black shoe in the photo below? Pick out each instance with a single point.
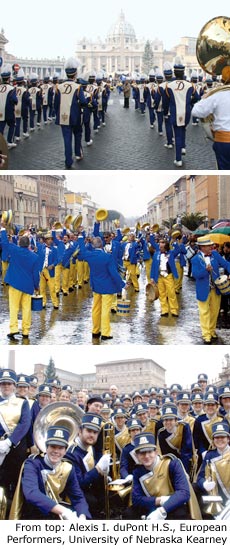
(113, 310)
(207, 342)
(43, 307)
(25, 336)
(119, 295)
(175, 315)
(79, 286)
(96, 334)
(65, 293)
(56, 307)
(164, 314)
(106, 337)
(86, 282)
(71, 289)
(57, 294)
(12, 335)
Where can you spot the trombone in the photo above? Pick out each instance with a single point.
(109, 447)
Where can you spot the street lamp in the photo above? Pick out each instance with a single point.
(21, 213)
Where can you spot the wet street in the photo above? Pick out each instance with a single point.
(126, 142)
(71, 324)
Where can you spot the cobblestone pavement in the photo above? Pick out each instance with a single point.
(126, 143)
(71, 324)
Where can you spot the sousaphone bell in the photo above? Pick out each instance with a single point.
(7, 216)
(60, 413)
(213, 45)
(101, 214)
(77, 221)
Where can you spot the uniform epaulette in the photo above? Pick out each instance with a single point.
(34, 455)
(171, 456)
(183, 422)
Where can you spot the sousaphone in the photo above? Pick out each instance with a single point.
(59, 413)
(77, 221)
(7, 216)
(68, 221)
(213, 45)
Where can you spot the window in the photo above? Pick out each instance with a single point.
(84, 47)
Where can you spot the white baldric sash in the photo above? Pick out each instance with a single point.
(179, 89)
(18, 109)
(67, 90)
(4, 90)
(45, 89)
(141, 90)
(33, 92)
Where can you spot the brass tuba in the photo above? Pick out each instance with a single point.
(3, 504)
(59, 413)
(213, 45)
(77, 221)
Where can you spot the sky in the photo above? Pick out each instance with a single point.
(127, 192)
(182, 363)
(52, 31)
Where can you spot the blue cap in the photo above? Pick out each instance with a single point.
(54, 382)
(136, 394)
(210, 398)
(144, 392)
(119, 411)
(91, 421)
(175, 387)
(169, 411)
(8, 375)
(127, 397)
(152, 391)
(195, 387)
(197, 398)
(183, 397)
(44, 389)
(33, 381)
(68, 388)
(202, 377)
(153, 403)
(224, 391)
(211, 389)
(144, 442)
(57, 435)
(23, 380)
(220, 429)
(134, 423)
(107, 397)
(140, 408)
(161, 392)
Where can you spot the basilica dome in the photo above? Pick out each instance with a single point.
(121, 30)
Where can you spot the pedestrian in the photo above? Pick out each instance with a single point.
(127, 93)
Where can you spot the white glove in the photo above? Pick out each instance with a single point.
(103, 463)
(158, 514)
(163, 500)
(128, 478)
(209, 485)
(68, 514)
(5, 445)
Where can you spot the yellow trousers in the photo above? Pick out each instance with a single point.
(167, 295)
(101, 313)
(19, 300)
(58, 277)
(148, 265)
(4, 270)
(47, 281)
(72, 275)
(209, 311)
(80, 272)
(131, 268)
(178, 282)
(86, 271)
(65, 280)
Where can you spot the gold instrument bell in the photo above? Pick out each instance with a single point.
(213, 45)
(57, 225)
(77, 221)
(59, 413)
(146, 224)
(7, 216)
(125, 231)
(101, 214)
(68, 221)
(155, 228)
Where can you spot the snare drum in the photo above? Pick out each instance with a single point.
(190, 252)
(223, 284)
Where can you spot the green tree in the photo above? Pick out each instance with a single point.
(148, 58)
(169, 223)
(192, 221)
(50, 371)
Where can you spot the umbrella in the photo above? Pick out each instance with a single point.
(221, 224)
(218, 238)
(201, 232)
(223, 230)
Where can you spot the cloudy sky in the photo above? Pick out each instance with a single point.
(48, 31)
(182, 363)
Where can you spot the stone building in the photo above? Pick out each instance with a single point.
(6, 192)
(129, 375)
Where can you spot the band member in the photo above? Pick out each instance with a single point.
(217, 103)
(23, 279)
(15, 420)
(36, 101)
(224, 398)
(22, 109)
(214, 474)
(48, 260)
(175, 437)
(128, 459)
(8, 100)
(90, 472)
(67, 104)
(160, 485)
(163, 272)
(202, 432)
(48, 480)
(205, 269)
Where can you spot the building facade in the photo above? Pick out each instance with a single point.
(129, 375)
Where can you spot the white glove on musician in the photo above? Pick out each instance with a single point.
(5, 445)
(163, 500)
(209, 485)
(68, 514)
(129, 478)
(158, 514)
(103, 464)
